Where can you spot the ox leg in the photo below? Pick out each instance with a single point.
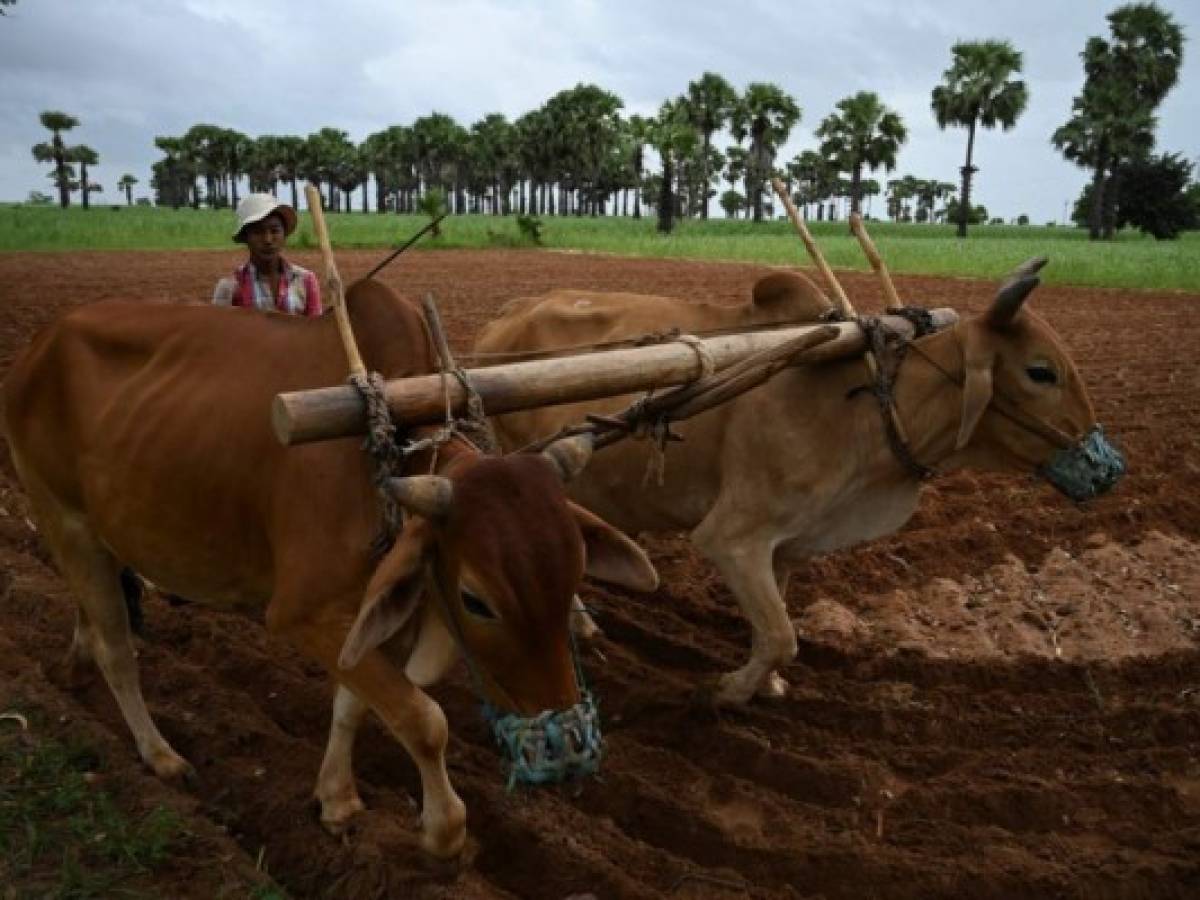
(78, 664)
(413, 718)
(335, 789)
(102, 634)
(775, 686)
(748, 568)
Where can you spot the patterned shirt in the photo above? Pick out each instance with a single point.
(298, 295)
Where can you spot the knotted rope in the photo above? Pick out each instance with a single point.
(889, 348)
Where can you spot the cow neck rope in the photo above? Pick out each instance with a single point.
(387, 456)
(889, 347)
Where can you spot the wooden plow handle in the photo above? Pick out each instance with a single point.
(333, 282)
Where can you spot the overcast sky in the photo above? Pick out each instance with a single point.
(133, 69)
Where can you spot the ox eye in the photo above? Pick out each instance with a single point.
(475, 606)
(1041, 375)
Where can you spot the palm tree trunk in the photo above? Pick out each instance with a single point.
(666, 202)
(60, 172)
(964, 210)
(295, 201)
(1096, 213)
(856, 189)
(83, 183)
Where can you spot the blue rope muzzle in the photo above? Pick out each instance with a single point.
(1087, 469)
(551, 747)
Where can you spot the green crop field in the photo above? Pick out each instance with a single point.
(1131, 261)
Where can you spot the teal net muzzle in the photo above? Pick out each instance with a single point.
(1086, 470)
(552, 747)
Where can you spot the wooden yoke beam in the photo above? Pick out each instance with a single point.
(303, 416)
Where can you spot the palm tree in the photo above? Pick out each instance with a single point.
(237, 149)
(864, 133)
(85, 156)
(672, 135)
(766, 115)
(173, 179)
(535, 150)
(976, 90)
(492, 151)
(54, 151)
(1113, 118)
(438, 141)
(638, 130)
(288, 155)
(815, 177)
(711, 100)
(126, 183)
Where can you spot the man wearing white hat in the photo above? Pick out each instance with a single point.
(266, 280)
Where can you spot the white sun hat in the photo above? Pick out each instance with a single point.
(256, 207)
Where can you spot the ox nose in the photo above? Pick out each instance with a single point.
(1088, 469)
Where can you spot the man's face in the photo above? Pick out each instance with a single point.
(265, 239)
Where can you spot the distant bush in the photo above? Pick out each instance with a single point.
(530, 228)
(37, 198)
(433, 204)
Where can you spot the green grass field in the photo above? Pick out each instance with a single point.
(1131, 261)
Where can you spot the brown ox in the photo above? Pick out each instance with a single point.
(141, 434)
(796, 467)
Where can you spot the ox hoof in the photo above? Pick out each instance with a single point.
(775, 687)
(734, 689)
(336, 814)
(170, 766)
(446, 837)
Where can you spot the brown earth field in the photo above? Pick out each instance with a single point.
(1001, 700)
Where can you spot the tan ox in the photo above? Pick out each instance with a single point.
(798, 467)
(141, 434)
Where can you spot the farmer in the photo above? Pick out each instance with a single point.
(266, 280)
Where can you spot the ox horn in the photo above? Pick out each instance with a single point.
(570, 455)
(430, 496)
(1014, 291)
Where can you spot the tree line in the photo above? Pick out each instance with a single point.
(577, 155)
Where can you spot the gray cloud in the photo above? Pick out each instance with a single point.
(133, 69)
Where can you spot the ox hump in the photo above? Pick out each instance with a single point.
(788, 297)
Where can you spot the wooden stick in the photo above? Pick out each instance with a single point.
(843, 302)
(303, 416)
(876, 261)
(333, 282)
(814, 252)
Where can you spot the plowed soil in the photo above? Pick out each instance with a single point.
(1002, 700)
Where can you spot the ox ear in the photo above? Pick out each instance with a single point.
(977, 385)
(611, 556)
(392, 594)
